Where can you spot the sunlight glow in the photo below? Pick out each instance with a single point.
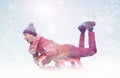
(43, 9)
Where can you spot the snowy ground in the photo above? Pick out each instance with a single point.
(100, 70)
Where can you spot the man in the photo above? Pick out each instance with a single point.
(40, 46)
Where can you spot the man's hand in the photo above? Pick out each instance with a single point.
(46, 60)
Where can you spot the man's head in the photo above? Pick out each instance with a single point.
(30, 33)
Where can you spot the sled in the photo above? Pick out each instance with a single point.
(75, 63)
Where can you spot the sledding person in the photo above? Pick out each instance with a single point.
(39, 45)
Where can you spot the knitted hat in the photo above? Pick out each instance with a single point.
(30, 30)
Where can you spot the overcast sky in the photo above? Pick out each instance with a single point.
(58, 20)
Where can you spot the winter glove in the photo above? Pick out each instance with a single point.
(46, 60)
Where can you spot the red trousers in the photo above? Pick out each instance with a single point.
(81, 51)
(70, 51)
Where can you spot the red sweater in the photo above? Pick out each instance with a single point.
(49, 48)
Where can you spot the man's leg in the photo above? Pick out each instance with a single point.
(91, 35)
(82, 29)
(92, 43)
(81, 51)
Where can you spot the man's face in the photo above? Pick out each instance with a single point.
(28, 37)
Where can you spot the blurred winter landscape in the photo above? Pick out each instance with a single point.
(58, 20)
